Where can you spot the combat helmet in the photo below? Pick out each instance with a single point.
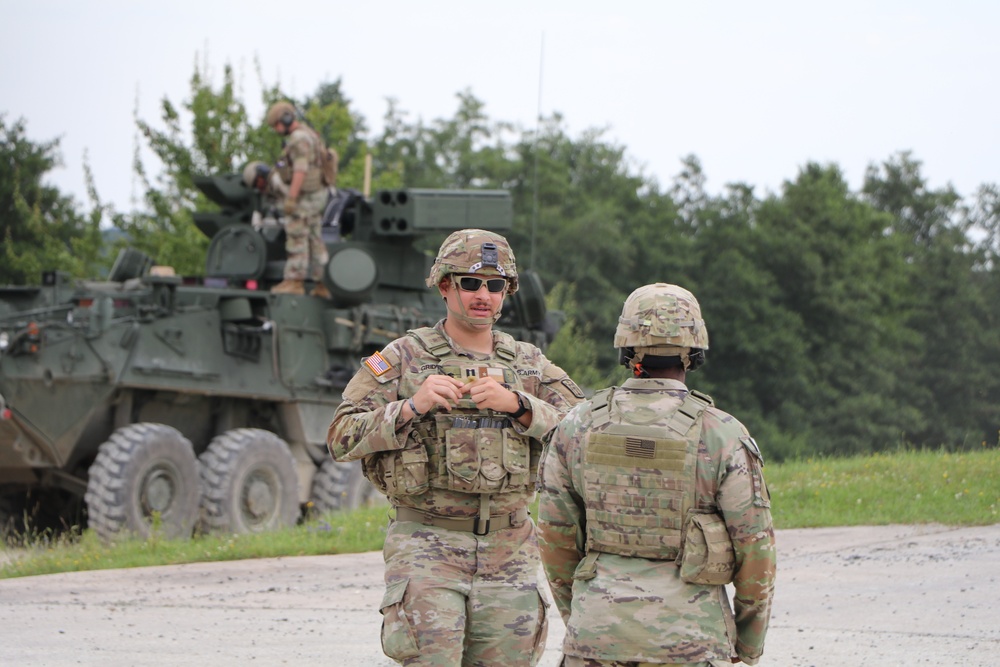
(475, 251)
(661, 326)
(283, 111)
(253, 171)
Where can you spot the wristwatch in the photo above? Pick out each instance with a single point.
(522, 407)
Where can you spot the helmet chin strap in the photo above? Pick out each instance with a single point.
(464, 316)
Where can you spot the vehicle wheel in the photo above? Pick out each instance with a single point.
(144, 479)
(250, 483)
(342, 486)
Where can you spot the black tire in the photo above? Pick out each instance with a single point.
(144, 479)
(340, 486)
(249, 483)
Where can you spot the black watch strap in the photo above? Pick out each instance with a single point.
(521, 408)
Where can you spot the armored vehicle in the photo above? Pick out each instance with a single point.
(150, 401)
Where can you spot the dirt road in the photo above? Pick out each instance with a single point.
(879, 596)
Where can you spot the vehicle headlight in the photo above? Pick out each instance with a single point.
(4, 340)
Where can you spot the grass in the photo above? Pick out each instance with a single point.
(353, 532)
(901, 487)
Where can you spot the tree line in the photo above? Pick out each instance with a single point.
(840, 321)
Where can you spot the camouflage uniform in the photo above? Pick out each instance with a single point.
(307, 254)
(616, 506)
(453, 596)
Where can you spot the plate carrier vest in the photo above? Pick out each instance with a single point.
(639, 478)
(470, 449)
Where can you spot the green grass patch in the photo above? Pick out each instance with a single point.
(349, 532)
(952, 488)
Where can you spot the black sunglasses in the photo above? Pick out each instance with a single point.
(470, 284)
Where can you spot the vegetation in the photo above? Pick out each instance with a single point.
(40, 228)
(909, 486)
(47, 553)
(841, 322)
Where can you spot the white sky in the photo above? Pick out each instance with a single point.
(754, 89)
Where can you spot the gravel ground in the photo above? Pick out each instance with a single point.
(879, 596)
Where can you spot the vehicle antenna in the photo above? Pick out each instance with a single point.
(538, 122)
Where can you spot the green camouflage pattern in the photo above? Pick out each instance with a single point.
(303, 153)
(480, 592)
(462, 252)
(661, 315)
(454, 598)
(625, 609)
(304, 246)
(573, 661)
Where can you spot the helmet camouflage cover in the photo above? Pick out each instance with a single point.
(252, 170)
(277, 110)
(475, 251)
(661, 319)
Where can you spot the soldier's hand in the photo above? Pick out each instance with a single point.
(290, 206)
(490, 394)
(438, 390)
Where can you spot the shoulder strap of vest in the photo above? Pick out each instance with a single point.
(689, 412)
(432, 340)
(504, 346)
(600, 407)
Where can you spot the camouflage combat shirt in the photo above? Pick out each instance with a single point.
(302, 153)
(366, 423)
(635, 609)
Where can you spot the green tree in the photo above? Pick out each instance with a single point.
(951, 291)
(40, 227)
(221, 140)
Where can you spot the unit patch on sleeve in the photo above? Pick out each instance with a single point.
(377, 364)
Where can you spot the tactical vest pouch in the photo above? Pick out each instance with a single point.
(485, 460)
(707, 555)
(400, 473)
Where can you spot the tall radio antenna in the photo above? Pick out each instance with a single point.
(538, 123)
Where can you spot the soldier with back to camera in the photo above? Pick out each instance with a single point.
(448, 422)
(309, 170)
(652, 500)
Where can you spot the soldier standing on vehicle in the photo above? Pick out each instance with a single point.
(651, 501)
(309, 170)
(448, 422)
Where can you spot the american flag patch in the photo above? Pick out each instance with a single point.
(640, 447)
(377, 364)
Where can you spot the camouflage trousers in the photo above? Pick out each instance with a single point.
(455, 599)
(304, 247)
(573, 661)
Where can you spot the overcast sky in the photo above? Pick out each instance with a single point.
(754, 89)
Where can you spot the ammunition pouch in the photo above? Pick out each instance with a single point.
(398, 473)
(707, 555)
(479, 455)
(469, 449)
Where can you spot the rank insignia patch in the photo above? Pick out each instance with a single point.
(377, 364)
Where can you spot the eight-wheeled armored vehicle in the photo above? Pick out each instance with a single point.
(151, 401)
